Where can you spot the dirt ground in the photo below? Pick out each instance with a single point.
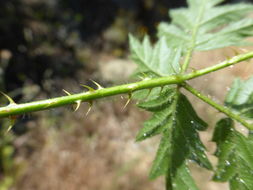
(98, 151)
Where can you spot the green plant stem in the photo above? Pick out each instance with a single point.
(234, 60)
(217, 106)
(16, 109)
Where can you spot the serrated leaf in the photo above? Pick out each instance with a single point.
(218, 16)
(161, 163)
(174, 118)
(234, 151)
(222, 137)
(174, 35)
(159, 59)
(183, 179)
(146, 93)
(162, 107)
(156, 125)
(240, 97)
(187, 125)
(233, 33)
(159, 102)
(202, 26)
(210, 3)
(205, 26)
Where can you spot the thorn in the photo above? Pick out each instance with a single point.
(98, 85)
(11, 101)
(144, 76)
(193, 69)
(12, 123)
(9, 128)
(90, 106)
(78, 103)
(88, 87)
(66, 92)
(129, 99)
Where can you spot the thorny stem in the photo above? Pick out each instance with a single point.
(217, 106)
(16, 109)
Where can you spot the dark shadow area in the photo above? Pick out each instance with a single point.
(43, 37)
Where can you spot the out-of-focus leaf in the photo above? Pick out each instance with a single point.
(205, 26)
(158, 59)
(240, 97)
(234, 152)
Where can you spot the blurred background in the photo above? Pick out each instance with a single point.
(50, 45)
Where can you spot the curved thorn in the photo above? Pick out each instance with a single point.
(9, 128)
(128, 101)
(78, 103)
(193, 69)
(98, 85)
(12, 123)
(90, 106)
(8, 97)
(66, 92)
(88, 87)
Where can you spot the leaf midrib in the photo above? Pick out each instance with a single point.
(194, 37)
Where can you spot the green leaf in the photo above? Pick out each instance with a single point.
(225, 14)
(205, 26)
(225, 152)
(160, 59)
(147, 94)
(175, 119)
(233, 33)
(234, 152)
(175, 36)
(182, 180)
(158, 103)
(202, 26)
(163, 107)
(240, 97)
(162, 161)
